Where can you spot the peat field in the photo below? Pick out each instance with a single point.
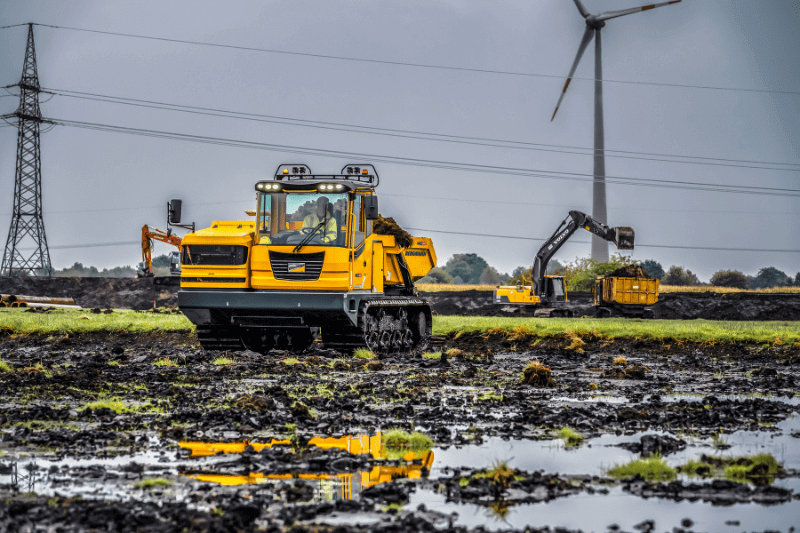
(109, 432)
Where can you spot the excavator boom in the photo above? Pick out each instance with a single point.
(148, 236)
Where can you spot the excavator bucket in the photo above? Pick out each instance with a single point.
(624, 238)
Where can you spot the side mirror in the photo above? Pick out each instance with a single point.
(371, 207)
(174, 211)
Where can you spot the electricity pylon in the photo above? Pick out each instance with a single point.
(27, 225)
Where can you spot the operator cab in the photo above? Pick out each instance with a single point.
(175, 264)
(554, 289)
(300, 208)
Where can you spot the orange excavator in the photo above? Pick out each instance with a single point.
(145, 269)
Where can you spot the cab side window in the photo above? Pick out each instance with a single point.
(359, 224)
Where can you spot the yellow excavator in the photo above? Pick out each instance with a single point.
(145, 268)
(312, 258)
(548, 294)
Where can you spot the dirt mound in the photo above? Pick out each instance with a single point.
(630, 271)
(116, 293)
(387, 226)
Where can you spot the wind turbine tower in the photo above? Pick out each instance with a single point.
(594, 25)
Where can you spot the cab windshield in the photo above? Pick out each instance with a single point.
(291, 218)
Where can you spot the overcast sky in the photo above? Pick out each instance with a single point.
(101, 187)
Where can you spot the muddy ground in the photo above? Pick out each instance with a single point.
(133, 293)
(68, 464)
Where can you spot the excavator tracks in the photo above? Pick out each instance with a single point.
(395, 325)
(222, 339)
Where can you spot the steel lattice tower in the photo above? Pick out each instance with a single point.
(27, 225)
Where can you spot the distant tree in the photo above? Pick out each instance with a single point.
(458, 281)
(437, 275)
(730, 278)
(520, 276)
(677, 275)
(490, 276)
(768, 277)
(81, 271)
(797, 280)
(554, 267)
(653, 268)
(468, 267)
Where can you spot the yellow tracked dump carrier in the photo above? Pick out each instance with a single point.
(625, 296)
(309, 260)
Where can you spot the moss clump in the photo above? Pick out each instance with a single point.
(538, 374)
(219, 361)
(399, 440)
(165, 361)
(301, 410)
(4, 367)
(152, 483)
(621, 361)
(570, 436)
(453, 353)
(340, 365)
(653, 468)
(115, 405)
(363, 353)
(374, 366)
(576, 341)
(432, 355)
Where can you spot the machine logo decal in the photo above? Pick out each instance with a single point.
(297, 267)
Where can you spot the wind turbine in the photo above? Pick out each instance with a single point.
(595, 23)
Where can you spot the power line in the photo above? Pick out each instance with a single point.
(540, 239)
(587, 242)
(421, 135)
(496, 170)
(405, 63)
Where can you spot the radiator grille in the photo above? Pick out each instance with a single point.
(296, 267)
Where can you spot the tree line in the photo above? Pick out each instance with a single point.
(471, 269)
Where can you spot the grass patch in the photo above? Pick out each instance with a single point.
(290, 361)
(653, 468)
(610, 328)
(4, 367)
(399, 440)
(363, 353)
(152, 483)
(759, 469)
(68, 321)
(570, 436)
(219, 361)
(165, 361)
(500, 473)
(432, 355)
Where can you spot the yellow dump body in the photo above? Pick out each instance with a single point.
(626, 291)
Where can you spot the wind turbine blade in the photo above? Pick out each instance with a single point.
(614, 14)
(587, 38)
(582, 10)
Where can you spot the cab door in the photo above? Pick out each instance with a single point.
(359, 255)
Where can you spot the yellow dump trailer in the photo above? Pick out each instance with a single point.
(627, 296)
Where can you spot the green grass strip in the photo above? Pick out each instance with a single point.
(690, 330)
(64, 321)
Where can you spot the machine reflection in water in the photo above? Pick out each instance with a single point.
(338, 486)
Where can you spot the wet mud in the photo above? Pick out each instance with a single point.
(149, 432)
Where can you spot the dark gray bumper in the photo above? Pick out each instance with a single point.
(283, 303)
